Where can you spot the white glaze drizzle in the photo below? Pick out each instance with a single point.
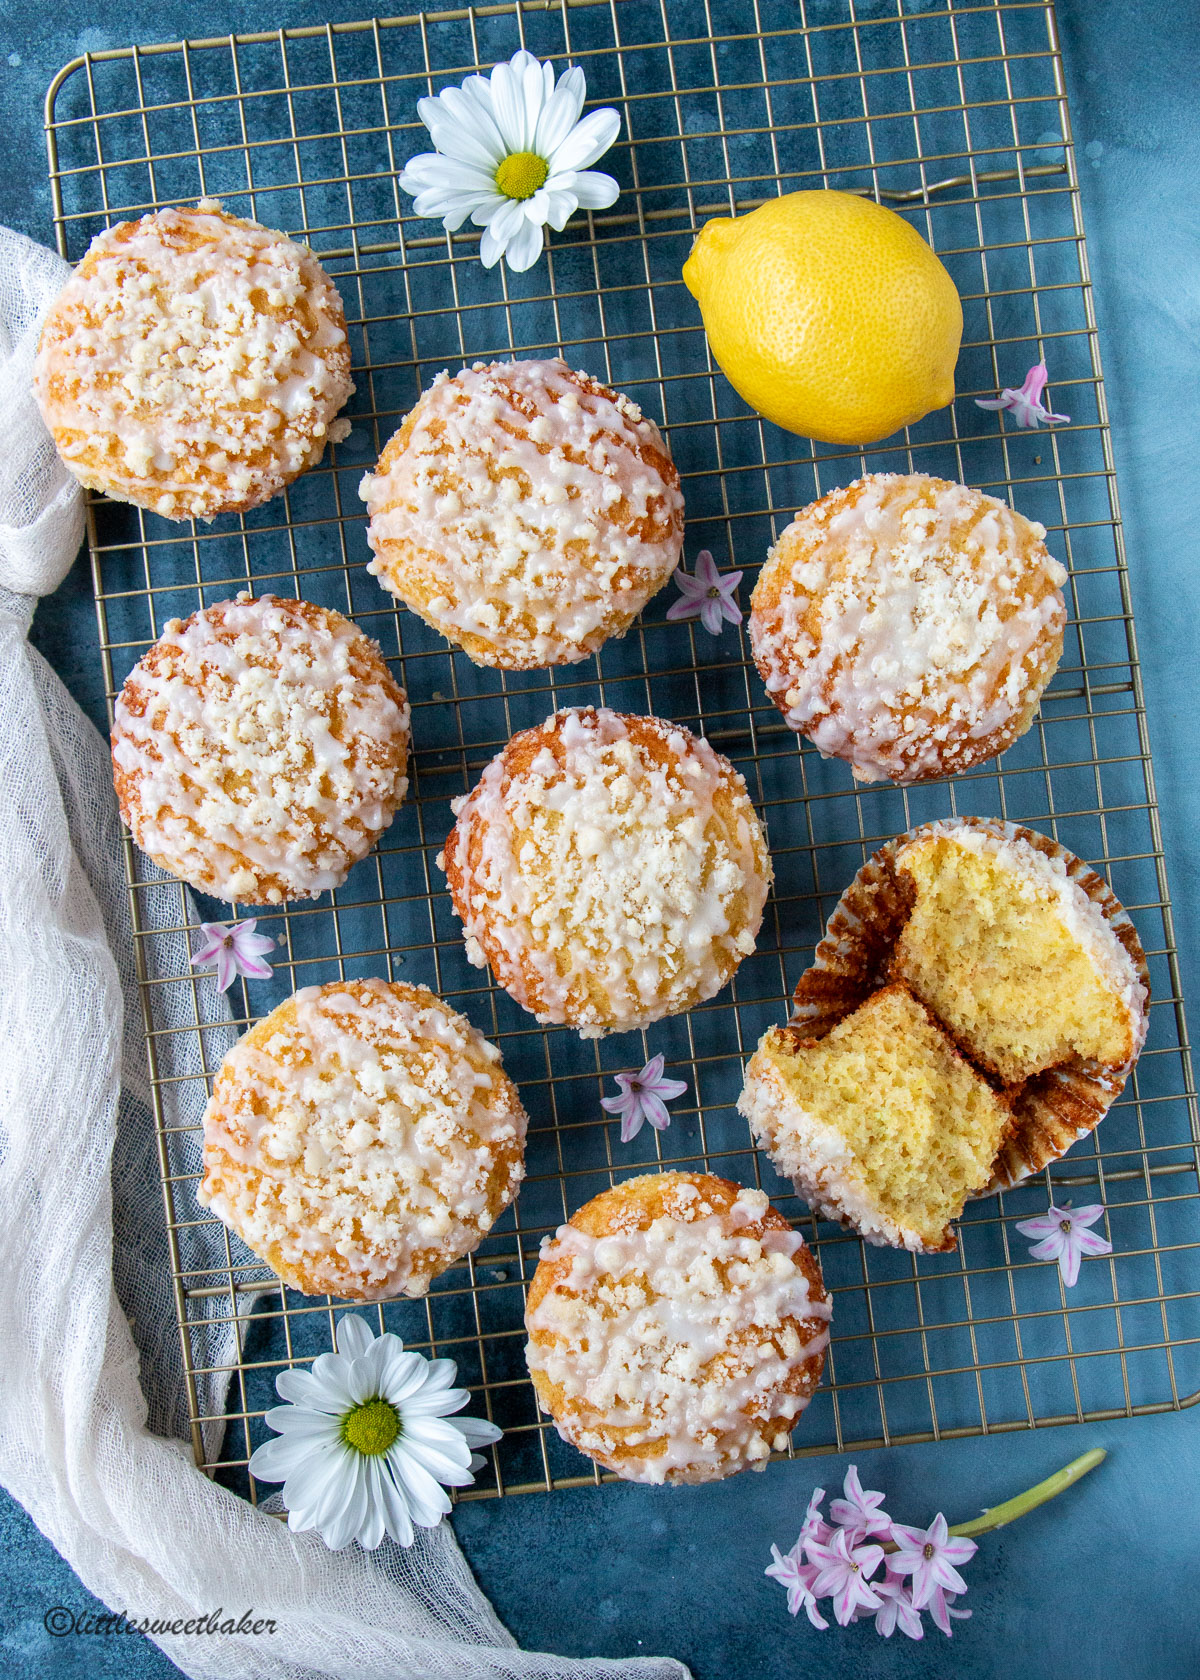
(524, 489)
(159, 361)
(635, 1329)
(596, 862)
(260, 753)
(929, 618)
(375, 1120)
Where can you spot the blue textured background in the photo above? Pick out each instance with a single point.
(1104, 1582)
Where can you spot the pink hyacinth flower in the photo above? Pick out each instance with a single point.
(897, 1609)
(859, 1513)
(1065, 1237)
(707, 596)
(1025, 405)
(843, 1572)
(798, 1578)
(929, 1555)
(236, 950)
(644, 1096)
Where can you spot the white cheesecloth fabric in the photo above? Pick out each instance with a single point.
(93, 1409)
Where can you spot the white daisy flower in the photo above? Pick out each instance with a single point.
(513, 155)
(366, 1441)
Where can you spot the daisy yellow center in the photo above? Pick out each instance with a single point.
(521, 174)
(372, 1427)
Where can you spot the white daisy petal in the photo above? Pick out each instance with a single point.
(427, 1502)
(468, 126)
(454, 208)
(305, 1388)
(560, 112)
(299, 1420)
(594, 190)
(319, 1489)
(491, 249)
(524, 247)
(371, 1529)
(403, 1377)
(586, 141)
(487, 208)
(509, 107)
(452, 1471)
(368, 1373)
(560, 207)
(477, 1432)
(353, 1336)
(349, 1514)
(395, 1511)
(276, 1459)
(505, 222)
(436, 1437)
(432, 170)
(331, 1372)
(440, 1373)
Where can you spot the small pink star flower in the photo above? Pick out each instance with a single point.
(929, 1556)
(814, 1526)
(859, 1513)
(644, 1096)
(798, 1578)
(896, 1610)
(1025, 405)
(940, 1607)
(707, 595)
(1065, 1237)
(237, 950)
(844, 1571)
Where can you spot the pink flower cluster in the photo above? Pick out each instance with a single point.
(841, 1562)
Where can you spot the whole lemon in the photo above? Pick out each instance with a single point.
(829, 314)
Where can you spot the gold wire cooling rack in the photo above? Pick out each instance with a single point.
(955, 113)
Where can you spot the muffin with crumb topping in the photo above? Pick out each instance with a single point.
(259, 749)
(677, 1328)
(361, 1139)
(526, 512)
(609, 869)
(909, 625)
(194, 363)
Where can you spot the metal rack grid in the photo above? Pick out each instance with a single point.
(955, 113)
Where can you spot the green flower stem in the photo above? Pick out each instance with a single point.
(1032, 1497)
(1011, 1509)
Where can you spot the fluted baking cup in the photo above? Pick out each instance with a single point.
(1052, 1110)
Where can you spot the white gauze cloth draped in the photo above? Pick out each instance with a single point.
(92, 1410)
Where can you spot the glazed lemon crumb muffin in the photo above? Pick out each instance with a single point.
(609, 869)
(908, 625)
(259, 749)
(1008, 950)
(526, 512)
(881, 1124)
(677, 1328)
(361, 1139)
(193, 364)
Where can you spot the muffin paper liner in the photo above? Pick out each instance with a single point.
(1054, 1109)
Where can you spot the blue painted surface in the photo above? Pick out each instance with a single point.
(1105, 1582)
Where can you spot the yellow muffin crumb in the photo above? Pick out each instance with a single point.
(881, 1124)
(1013, 957)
